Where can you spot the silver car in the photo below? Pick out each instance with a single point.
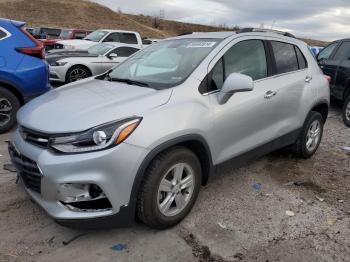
(69, 66)
(142, 139)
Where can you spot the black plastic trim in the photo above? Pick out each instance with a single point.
(124, 218)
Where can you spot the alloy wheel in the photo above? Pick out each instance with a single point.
(313, 135)
(347, 111)
(78, 74)
(176, 189)
(5, 111)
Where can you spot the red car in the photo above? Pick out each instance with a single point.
(65, 35)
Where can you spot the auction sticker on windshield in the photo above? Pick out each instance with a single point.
(201, 44)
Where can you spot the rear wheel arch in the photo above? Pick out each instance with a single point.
(13, 90)
(322, 108)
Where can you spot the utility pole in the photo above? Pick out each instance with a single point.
(162, 14)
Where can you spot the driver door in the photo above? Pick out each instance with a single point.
(247, 120)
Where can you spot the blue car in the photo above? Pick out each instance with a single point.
(23, 70)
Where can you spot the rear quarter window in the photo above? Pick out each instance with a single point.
(285, 57)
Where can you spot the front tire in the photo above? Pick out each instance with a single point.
(346, 111)
(9, 105)
(310, 136)
(77, 73)
(170, 188)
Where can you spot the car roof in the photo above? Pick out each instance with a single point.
(224, 35)
(112, 31)
(216, 35)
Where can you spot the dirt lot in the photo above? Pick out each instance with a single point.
(239, 216)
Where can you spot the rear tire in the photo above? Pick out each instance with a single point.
(170, 188)
(310, 136)
(346, 111)
(76, 73)
(9, 105)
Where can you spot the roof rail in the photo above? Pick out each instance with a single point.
(251, 29)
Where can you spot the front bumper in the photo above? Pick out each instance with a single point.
(58, 74)
(113, 170)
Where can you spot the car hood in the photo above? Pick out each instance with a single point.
(88, 103)
(77, 43)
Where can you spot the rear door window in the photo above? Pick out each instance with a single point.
(125, 51)
(285, 57)
(128, 38)
(301, 58)
(343, 52)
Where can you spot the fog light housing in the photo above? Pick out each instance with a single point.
(83, 197)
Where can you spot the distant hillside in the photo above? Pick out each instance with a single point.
(87, 15)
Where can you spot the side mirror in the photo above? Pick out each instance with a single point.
(112, 55)
(235, 83)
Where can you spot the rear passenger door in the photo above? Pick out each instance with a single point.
(290, 78)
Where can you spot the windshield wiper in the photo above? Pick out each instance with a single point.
(128, 81)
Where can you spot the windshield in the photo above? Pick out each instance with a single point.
(65, 34)
(96, 36)
(165, 64)
(100, 49)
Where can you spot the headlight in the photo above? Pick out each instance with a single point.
(57, 63)
(97, 138)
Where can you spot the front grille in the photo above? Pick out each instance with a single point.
(27, 169)
(34, 137)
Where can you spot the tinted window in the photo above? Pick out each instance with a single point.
(124, 51)
(326, 53)
(2, 34)
(128, 38)
(248, 58)
(79, 35)
(343, 52)
(114, 37)
(285, 57)
(301, 59)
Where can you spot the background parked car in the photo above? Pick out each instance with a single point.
(149, 41)
(316, 49)
(23, 72)
(66, 34)
(70, 66)
(334, 60)
(100, 36)
(46, 32)
(30, 30)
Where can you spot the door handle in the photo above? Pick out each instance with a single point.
(270, 94)
(308, 79)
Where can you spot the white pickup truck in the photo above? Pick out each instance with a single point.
(99, 36)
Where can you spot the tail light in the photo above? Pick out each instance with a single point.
(328, 78)
(37, 51)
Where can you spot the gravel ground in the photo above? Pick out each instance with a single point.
(239, 216)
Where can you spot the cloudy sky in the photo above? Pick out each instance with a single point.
(317, 19)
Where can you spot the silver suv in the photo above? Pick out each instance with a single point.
(141, 139)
